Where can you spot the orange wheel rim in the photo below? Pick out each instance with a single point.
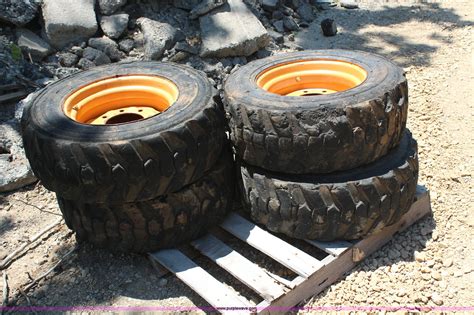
(311, 77)
(120, 100)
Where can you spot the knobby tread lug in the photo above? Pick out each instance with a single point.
(80, 168)
(328, 208)
(162, 222)
(316, 140)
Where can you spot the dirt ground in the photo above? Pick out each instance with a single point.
(430, 264)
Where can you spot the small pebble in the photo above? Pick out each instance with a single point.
(436, 298)
(420, 256)
(436, 275)
(447, 262)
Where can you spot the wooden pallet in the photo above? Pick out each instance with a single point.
(313, 275)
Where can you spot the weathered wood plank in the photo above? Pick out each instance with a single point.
(9, 87)
(209, 288)
(330, 273)
(279, 250)
(332, 248)
(13, 96)
(240, 267)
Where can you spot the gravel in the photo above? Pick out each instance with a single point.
(428, 265)
(18, 12)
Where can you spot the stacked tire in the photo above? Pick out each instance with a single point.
(321, 143)
(136, 153)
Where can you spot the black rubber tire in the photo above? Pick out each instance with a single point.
(163, 222)
(125, 162)
(339, 206)
(317, 134)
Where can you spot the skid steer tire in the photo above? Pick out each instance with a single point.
(353, 125)
(339, 206)
(124, 162)
(163, 222)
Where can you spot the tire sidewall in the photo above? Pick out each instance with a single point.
(46, 111)
(382, 75)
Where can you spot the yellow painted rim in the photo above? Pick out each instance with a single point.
(311, 77)
(119, 100)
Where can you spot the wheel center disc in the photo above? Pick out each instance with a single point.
(311, 77)
(120, 100)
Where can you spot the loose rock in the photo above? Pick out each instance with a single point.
(32, 44)
(279, 26)
(290, 24)
(68, 59)
(15, 171)
(349, 4)
(108, 7)
(126, 45)
(436, 275)
(437, 299)
(269, 5)
(305, 11)
(329, 27)
(222, 34)
(158, 37)
(85, 64)
(113, 26)
(276, 36)
(67, 21)
(419, 256)
(18, 12)
(96, 56)
(204, 7)
(185, 47)
(108, 46)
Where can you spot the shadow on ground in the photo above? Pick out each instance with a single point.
(95, 277)
(392, 31)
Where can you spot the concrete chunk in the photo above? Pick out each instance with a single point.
(33, 44)
(67, 21)
(158, 37)
(15, 171)
(113, 26)
(232, 30)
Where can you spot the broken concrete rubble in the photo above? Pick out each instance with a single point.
(223, 35)
(205, 7)
(32, 44)
(158, 37)
(67, 21)
(114, 25)
(15, 171)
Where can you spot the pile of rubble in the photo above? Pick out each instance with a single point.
(67, 35)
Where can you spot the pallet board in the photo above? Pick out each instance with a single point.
(312, 275)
